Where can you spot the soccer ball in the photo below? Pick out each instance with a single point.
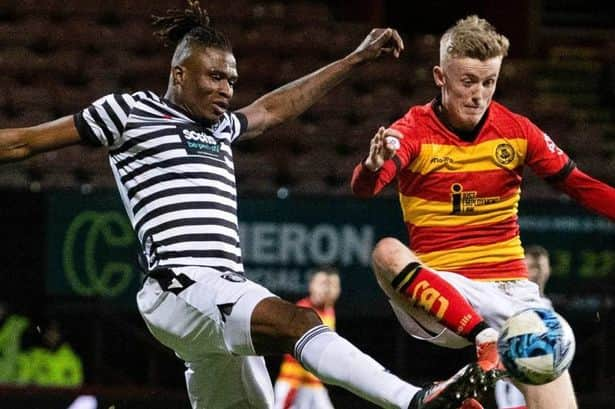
(536, 345)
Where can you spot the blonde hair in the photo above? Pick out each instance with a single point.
(473, 37)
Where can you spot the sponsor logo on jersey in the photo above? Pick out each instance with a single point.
(443, 160)
(468, 201)
(504, 153)
(198, 142)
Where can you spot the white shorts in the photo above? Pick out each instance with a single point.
(204, 316)
(495, 301)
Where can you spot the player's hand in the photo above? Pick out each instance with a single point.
(382, 147)
(380, 41)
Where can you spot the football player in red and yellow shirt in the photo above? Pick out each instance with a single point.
(296, 387)
(458, 163)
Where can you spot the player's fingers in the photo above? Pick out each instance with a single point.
(377, 148)
(388, 50)
(384, 35)
(382, 38)
(373, 145)
(390, 42)
(378, 133)
(399, 42)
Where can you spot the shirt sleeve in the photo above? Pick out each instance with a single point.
(365, 183)
(589, 192)
(544, 157)
(548, 161)
(104, 121)
(239, 123)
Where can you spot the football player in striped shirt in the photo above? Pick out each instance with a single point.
(173, 164)
(458, 163)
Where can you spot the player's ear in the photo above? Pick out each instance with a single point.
(178, 74)
(438, 76)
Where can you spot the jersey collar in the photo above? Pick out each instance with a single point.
(467, 136)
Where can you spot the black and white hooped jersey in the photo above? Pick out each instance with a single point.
(175, 176)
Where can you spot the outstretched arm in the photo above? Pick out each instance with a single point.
(297, 96)
(20, 143)
(551, 163)
(589, 192)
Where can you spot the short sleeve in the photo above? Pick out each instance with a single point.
(239, 123)
(544, 157)
(103, 122)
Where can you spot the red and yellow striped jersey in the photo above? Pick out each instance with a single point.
(292, 371)
(459, 198)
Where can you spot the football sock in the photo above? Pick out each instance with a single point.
(426, 289)
(336, 361)
(486, 335)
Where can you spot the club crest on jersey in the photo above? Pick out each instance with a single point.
(504, 153)
(468, 201)
(198, 142)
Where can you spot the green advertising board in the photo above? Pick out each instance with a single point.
(92, 248)
(581, 245)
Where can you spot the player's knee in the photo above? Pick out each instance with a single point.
(389, 257)
(305, 319)
(276, 325)
(386, 251)
(279, 318)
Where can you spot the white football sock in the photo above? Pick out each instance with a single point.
(336, 361)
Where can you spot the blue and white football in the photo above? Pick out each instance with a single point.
(536, 345)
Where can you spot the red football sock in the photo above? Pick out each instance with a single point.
(428, 290)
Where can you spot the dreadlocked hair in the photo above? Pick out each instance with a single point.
(192, 23)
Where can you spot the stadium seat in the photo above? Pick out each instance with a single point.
(307, 12)
(63, 54)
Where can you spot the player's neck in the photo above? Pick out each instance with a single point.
(182, 107)
(464, 135)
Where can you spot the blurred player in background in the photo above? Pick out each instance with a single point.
(295, 387)
(507, 396)
(539, 269)
(172, 160)
(458, 162)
